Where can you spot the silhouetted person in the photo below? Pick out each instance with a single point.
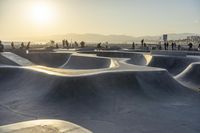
(165, 46)
(142, 43)
(173, 44)
(82, 43)
(67, 44)
(1, 47)
(63, 43)
(99, 46)
(76, 44)
(199, 47)
(190, 46)
(145, 45)
(22, 46)
(133, 45)
(12, 45)
(179, 47)
(57, 45)
(28, 46)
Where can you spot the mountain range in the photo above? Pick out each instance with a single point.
(95, 38)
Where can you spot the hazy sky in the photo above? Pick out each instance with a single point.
(128, 17)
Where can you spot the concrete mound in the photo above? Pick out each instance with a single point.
(190, 76)
(86, 62)
(108, 101)
(174, 64)
(67, 60)
(45, 59)
(6, 61)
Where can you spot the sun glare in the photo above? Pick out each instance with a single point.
(42, 13)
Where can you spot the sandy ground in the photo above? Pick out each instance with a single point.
(37, 129)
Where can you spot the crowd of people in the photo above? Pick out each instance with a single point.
(66, 44)
(22, 46)
(166, 45)
(144, 46)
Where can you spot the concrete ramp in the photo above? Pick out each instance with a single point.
(169, 53)
(17, 59)
(61, 60)
(190, 77)
(6, 61)
(89, 92)
(113, 101)
(86, 62)
(173, 64)
(45, 59)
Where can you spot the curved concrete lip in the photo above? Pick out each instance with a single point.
(43, 126)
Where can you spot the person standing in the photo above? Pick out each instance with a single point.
(28, 46)
(165, 46)
(67, 44)
(1, 47)
(63, 43)
(142, 43)
(133, 45)
(22, 45)
(172, 46)
(12, 45)
(57, 45)
(175, 46)
(190, 46)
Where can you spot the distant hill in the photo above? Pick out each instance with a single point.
(94, 38)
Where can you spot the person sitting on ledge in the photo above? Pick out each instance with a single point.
(1, 47)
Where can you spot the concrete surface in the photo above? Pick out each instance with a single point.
(123, 98)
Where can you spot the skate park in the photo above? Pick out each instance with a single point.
(100, 91)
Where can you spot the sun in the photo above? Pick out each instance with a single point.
(42, 13)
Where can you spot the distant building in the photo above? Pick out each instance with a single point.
(165, 37)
